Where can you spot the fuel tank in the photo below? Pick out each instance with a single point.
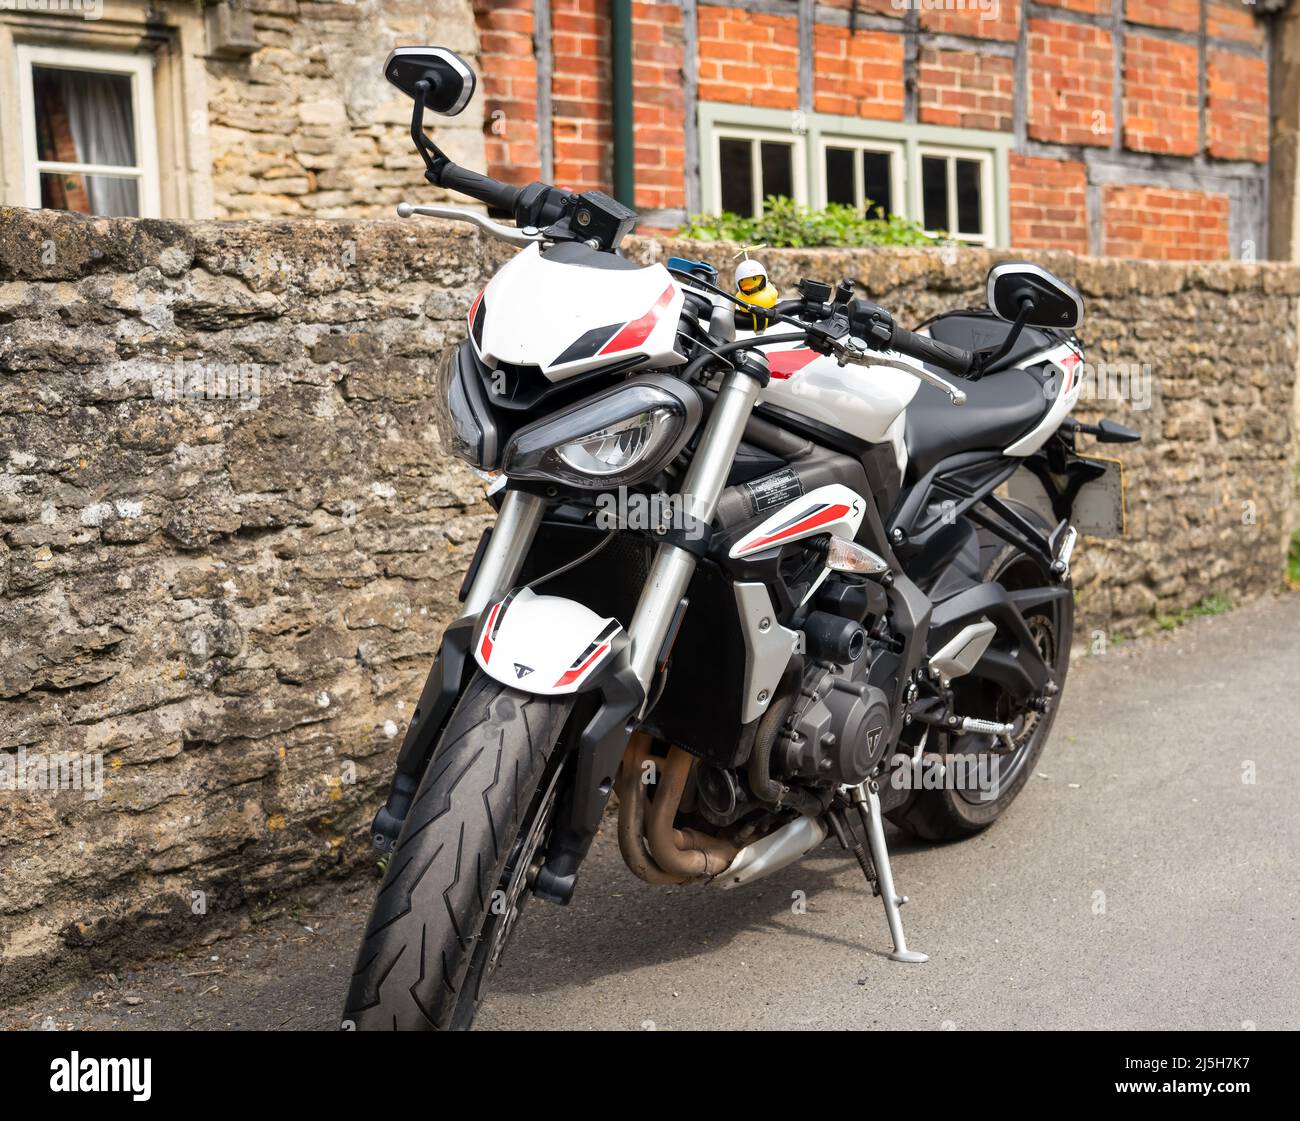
(865, 402)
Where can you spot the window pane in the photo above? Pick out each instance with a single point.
(737, 176)
(877, 182)
(106, 195)
(84, 117)
(934, 192)
(970, 209)
(778, 169)
(840, 186)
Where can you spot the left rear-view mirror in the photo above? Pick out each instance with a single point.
(1051, 302)
(450, 81)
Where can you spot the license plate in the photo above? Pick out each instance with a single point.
(1099, 508)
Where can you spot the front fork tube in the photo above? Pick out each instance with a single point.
(503, 557)
(673, 567)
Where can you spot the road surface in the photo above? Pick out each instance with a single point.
(1148, 877)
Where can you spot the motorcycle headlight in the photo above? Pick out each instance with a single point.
(464, 421)
(624, 436)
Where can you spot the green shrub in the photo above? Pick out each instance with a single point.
(787, 225)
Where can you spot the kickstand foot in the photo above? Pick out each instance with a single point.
(867, 801)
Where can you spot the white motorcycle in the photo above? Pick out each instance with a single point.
(773, 571)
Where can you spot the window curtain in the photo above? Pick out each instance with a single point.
(102, 119)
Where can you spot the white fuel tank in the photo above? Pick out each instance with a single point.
(866, 402)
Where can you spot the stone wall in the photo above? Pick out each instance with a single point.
(227, 545)
(307, 125)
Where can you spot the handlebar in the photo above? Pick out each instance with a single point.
(537, 205)
(923, 349)
(873, 324)
(490, 192)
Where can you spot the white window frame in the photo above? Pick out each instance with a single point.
(818, 130)
(140, 69)
(798, 162)
(952, 154)
(897, 168)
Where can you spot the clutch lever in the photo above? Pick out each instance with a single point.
(850, 350)
(513, 234)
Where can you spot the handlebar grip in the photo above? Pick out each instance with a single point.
(490, 192)
(950, 358)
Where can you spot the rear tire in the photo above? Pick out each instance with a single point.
(951, 815)
(445, 909)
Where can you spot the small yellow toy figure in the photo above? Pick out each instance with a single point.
(755, 289)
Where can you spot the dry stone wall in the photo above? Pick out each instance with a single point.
(228, 544)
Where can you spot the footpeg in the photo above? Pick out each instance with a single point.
(1000, 732)
(866, 800)
(1062, 543)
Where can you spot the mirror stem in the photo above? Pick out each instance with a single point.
(434, 158)
(1026, 310)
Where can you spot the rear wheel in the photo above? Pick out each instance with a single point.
(993, 779)
(463, 865)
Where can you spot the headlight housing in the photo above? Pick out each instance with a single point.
(461, 413)
(622, 437)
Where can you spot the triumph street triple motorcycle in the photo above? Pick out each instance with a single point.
(773, 571)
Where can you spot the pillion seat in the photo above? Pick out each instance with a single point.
(999, 409)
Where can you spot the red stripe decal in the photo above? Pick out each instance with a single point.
(1071, 367)
(473, 308)
(831, 514)
(784, 364)
(636, 332)
(486, 648)
(570, 676)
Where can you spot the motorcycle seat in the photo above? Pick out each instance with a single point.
(999, 410)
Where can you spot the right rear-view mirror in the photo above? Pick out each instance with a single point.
(450, 81)
(1015, 285)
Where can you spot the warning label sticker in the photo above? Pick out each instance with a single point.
(773, 491)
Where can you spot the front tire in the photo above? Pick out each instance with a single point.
(455, 882)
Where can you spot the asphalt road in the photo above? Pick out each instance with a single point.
(1140, 881)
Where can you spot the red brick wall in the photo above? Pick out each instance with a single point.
(748, 58)
(1071, 69)
(509, 78)
(1049, 204)
(1234, 20)
(752, 58)
(1163, 223)
(1161, 112)
(582, 130)
(1237, 107)
(659, 107)
(1000, 20)
(859, 75)
(966, 89)
(1088, 7)
(1182, 15)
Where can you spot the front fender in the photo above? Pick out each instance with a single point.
(545, 645)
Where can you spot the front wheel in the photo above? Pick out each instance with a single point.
(960, 810)
(460, 873)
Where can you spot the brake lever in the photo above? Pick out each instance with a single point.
(850, 350)
(513, 234)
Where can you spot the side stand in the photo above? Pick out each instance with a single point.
(867, 802)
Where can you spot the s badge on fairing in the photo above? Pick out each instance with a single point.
(832, 509)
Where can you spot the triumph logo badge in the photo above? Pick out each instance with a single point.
(873, 738)
(522, 671)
